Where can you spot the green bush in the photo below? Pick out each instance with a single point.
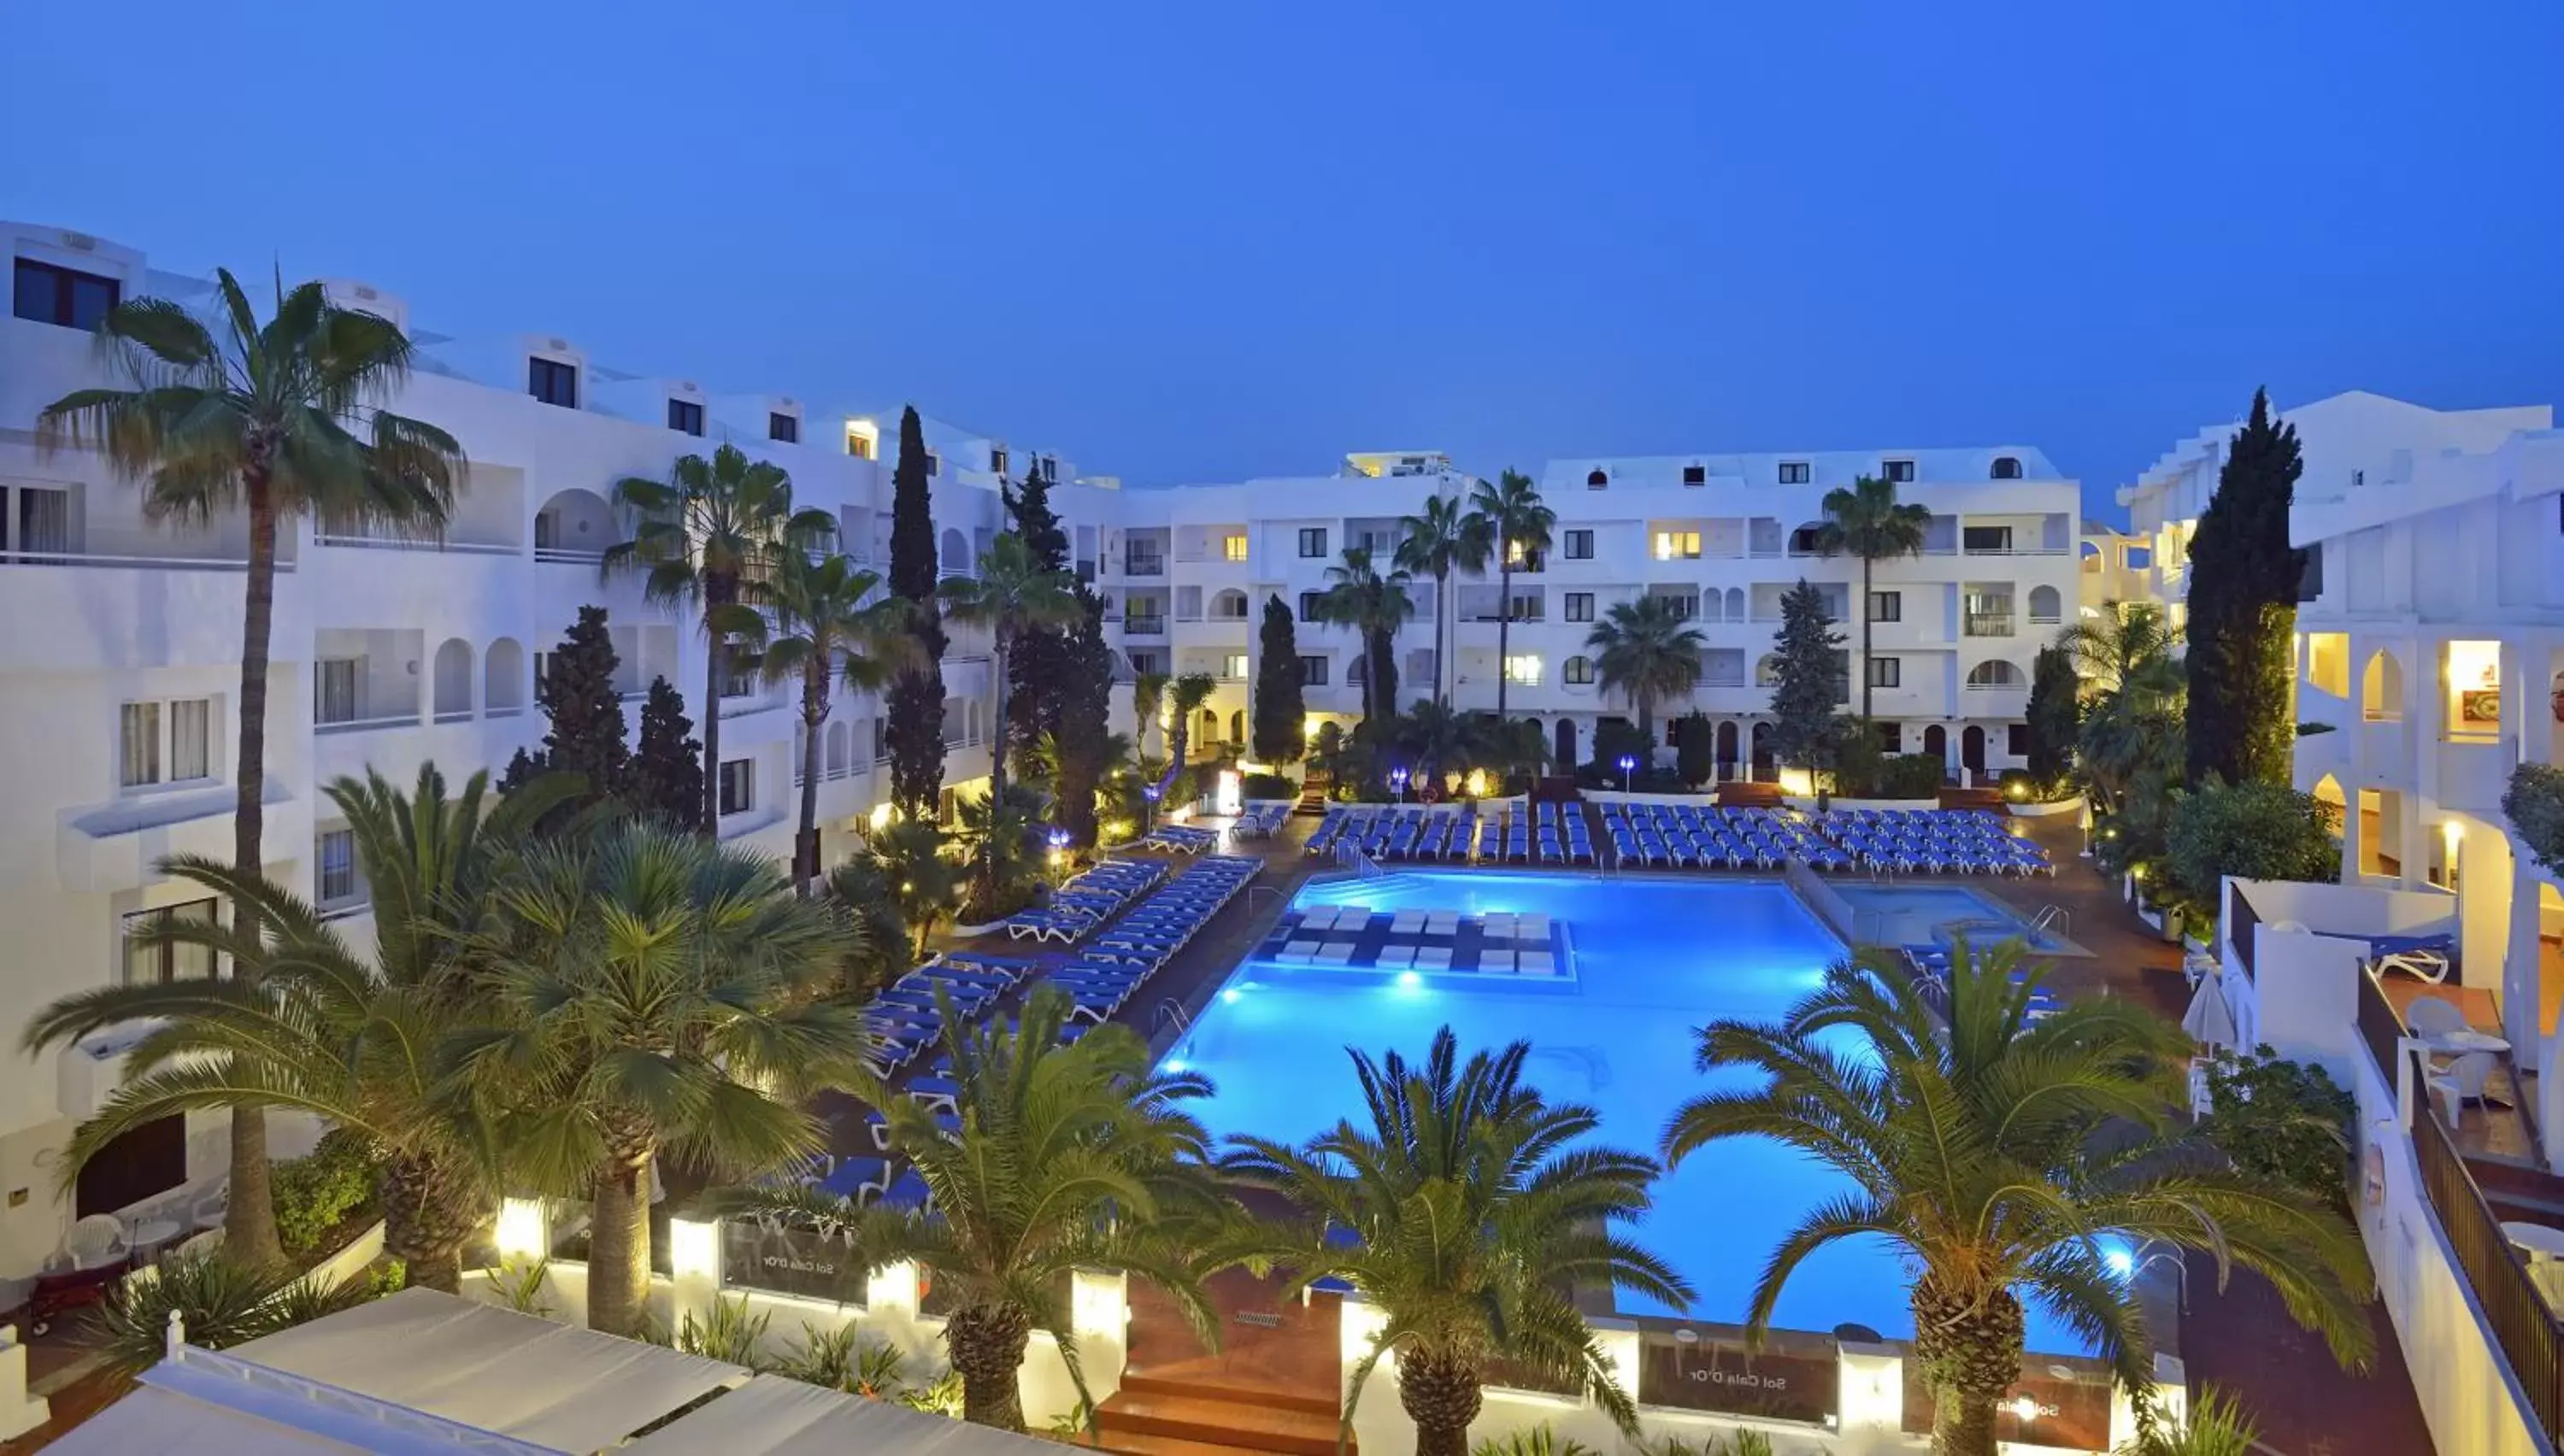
(2535, 803)
(1539, 1440)
(2281, 1121)
(1911, 776)
(1269, 787)
(2253, 830)
(316, 1192)
(2024, 787)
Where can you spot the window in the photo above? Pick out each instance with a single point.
(1695, 475)
(1522, 670)
(1986, 541)
(1887, 606)
(1994, 673)
(1886, 671)
(2016, 740)
(1144, 663)
(1794, 471)
(1901, 471)
(1807, 540)
(1233, 666)
(1579, 672)
(1580, 608)
(552, 382)
(165, 742)
(859, 444)
(150, 964)
(46, 294)
(933, 464)
(737, 785)
(543, 674)
(1579, 545)
(997, 460)
(686, 417)
(786, 428)
(1521, 559)
(1598, 479)
(44, 520)
(1233, 547)
(1677, 545)
(1313, 672)
(336, 879)
(2006, 468)
(333, 689)
(736, 682)
(1527, 606)
(1309, 605)
(1313, 543)
(1891, 737)
(1047, 467)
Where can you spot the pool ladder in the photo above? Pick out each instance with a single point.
(2053, 919)
(1173, 1010)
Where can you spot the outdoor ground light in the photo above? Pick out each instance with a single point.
(1628, 764)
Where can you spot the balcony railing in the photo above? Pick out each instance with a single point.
(365, 725)
(1143, 626)
(1989, 624)
(1143, 566)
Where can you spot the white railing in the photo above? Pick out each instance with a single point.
(161, 564)
(418, 544)
(565, 556)
(456, 714)
(366, 725)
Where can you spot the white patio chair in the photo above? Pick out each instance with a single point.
(95, 1241)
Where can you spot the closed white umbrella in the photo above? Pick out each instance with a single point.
(2210, 1021)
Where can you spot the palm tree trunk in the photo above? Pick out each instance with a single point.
(1864, 637)
(1441, 1397)
(814, 722)
(1969, 1349)
(249, 1218)
(716, 668)
(996, 761)
(618, 1243)
(1504, 622)
(1441, 634)
(431, 1209)
(986, 1343)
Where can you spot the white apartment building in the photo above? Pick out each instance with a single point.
(116, 695)
(2431, 648)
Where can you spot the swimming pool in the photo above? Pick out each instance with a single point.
(1922, 915)
(1655, 958)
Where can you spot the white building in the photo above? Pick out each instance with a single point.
(115, 696)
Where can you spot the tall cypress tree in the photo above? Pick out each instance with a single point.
(1808, 682)
(1278, 732)
(2243, 579)
(666, 776)
(1037, 687)
(914, 717)
(2053, 712)
(1086, 727)
(589, 734)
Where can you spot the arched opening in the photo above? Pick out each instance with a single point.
(1804, 540)
(954, 556)
(1578, 673)
(1727, 751)
(2047, 608)
(1598, 479)
(1237, 726)
(2381, 689)
(453, 689)
(1936, 743)
(840, 747)
(1766, 672)
(2006, 468)
(2328, 794)
(1994, 671)
(1763, 763)
(1972, 749)
(1736, 604)
(574, 526)
(1209, 729)
(1564, 756)
(502, 679)
(1228, 606)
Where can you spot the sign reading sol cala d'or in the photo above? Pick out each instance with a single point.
(797, 1261)
(1793, 1376)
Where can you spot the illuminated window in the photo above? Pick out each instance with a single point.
(1232, 547)
(2475, 689)
(2328, 662)
(1579, 672)
(1233, 666)
(1673, 545)
(859, 440)
(1522, 670)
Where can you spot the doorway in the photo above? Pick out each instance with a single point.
(1566, 754)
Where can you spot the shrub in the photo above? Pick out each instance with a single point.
(2535, 803)
(2253, 830)
(1539, 1440)
(2288, 1122)
(221, 1302)
(1696, 749)
(2022, 787)
(316, 1192)
(1911, 776)
(1269, 787)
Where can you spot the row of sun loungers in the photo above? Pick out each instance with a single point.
(1260, 821)
(1123, 958)
(1688, 836)
(1077, 908)
(1181, 839)
(1938, 840)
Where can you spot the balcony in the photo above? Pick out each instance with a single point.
(1139, 565)
(2473, 772)
(1149, 626)
(2385, 754)
(327, 727)
(1987, 624)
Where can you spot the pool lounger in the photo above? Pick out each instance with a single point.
(1535, 963)
(1496, 962)
(1442, 922)
(1302, 951)
(1336, 952)
(1395, 958)
(1531, 927)
(1407, 922)
(1432, 957)
(856, 1177)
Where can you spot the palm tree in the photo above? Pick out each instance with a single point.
(867, 899)
(1374, 606)
(1186, 696)
(2006, 1159)
(699, 536)
(1443, 538)
(655, 991)
(1865, 521)
(1066, 1157)
(2133, 698)
(281, 421)
(1013, 594)
(1647, 649)
(1518, 522)
(1442, 741)
(1475, 1208)
(319, 1027)
(923, 879)
(1148, 699)
(830, 624)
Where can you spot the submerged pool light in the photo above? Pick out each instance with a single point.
(1408, 980)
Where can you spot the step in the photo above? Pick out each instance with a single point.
(1323, 1405)
(1138, 1443)
(1218, 1422)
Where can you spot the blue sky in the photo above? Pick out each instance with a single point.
(1189, 243)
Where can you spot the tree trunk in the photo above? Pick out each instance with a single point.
(718, 591)
(814, 722)
(249, 1218)
(1504, 622)
(431, 1208)
(618, 1244)
(1441, 630)
(1970, 1348)
(997, 764)
(1865, 675)
(986, 1343)
(1441, 1397)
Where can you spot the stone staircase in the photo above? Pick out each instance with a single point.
(1164, 1415)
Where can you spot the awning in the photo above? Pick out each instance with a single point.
(155, 1422)
(774, 1416)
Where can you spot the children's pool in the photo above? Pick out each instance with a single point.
(1653, 960)
(1928, 915)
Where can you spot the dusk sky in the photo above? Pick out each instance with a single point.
(1195, 242)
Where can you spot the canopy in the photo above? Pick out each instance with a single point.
(2210, 1021)
(156, 1422)
(553, 1386)
(774, 1416)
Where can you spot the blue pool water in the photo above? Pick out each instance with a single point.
(1920, 915)
(1653, 960)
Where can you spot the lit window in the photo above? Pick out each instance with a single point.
(165, 742)
(1673, 545)
(1579, 672)
(1232, 547)
(1233, 666)
(1522, 670)
(156, 963)
(859, 442)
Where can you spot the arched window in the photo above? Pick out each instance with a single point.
(1994, 671)
(2044, 606)
(2381, 689)
(1237, 726)
(502, 679)
(1598, 479)
(2006, 468)
(1580, 672)
(1767, 673)
(1210, 726)
(1228, 606)
(953, 556)
(454, 681)
(1807, 539)
(1736, 604)
(840, 747)
(574, 526)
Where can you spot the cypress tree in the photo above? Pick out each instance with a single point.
(2243, 579)
(2053, 715)
(1810, 681)
(1278, 732)
(1086, 727)
(1695, 741)
(1037, 686)
(668, 769)
(914, 717)
(588, 733)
